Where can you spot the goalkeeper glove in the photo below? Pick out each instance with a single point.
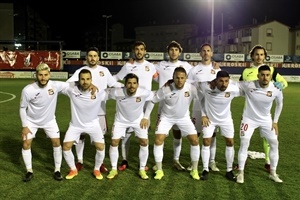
(278, 85)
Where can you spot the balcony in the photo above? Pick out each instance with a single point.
(246, 39)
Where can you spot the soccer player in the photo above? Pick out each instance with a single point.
(259, 96)
(84, 119)
(146, 72)
(216, 104)
(203, 72)
(177, 98)
(130, 102)
(102, 78)
(37, 110)
(258, 55)
(165, 71)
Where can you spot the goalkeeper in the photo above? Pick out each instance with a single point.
(258, 54)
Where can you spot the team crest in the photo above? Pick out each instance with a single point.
(186, 94)
(138, 99)
(269, 93)
(101, 73)
(227, 94)
(147, 68)
(50, 92)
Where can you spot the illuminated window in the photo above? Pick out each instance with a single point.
(269, 32)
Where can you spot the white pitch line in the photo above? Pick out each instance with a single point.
(12, 97)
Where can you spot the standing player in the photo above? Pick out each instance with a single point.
(218, 95)
(37, 110)
(102, 78)
(84, 119)
(165, 70)
(259, 96)
(204, 71)
(177, 98)
(258, 55)
(130, 103)
(146, 72)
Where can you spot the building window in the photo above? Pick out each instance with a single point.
(298, 47)
(269, 46)
(269, 32)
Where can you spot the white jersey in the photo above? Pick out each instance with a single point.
(165, 70)
(145, 71)
(84, 106)
(259, 101)
(176, 102)
(101, 77)
(217, 103)
(202, 73)
(129, 108)
(38, 104)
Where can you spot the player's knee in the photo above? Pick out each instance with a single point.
(143, 142)
(55, 142)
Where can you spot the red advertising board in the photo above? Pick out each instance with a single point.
(28, 60)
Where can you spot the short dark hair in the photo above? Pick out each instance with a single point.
(174, 44)
(179, 69)
(138, 43)
(205, 44)
(263, 68)
(257, 47)
(84, 71)
(131, 75)
(222, 73)
(92, 49)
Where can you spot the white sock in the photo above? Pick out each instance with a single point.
(57, 155)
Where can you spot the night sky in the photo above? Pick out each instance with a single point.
(70, 20)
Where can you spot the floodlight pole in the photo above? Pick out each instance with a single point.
(212, 25)
(106, 17)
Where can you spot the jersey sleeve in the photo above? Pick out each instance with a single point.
(122, 73)
(23, 107)
(74, 77)
(279, 78)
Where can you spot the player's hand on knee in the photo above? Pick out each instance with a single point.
(205, 121)
(144, 124)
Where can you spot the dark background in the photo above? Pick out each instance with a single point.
(68, 20)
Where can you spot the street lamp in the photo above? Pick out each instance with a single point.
(212, 25)
(106, 17)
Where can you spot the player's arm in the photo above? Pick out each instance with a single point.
(277, 112)
(23, 115)
(74, 77)
(122, 73)
(242, 76)
(279, 78)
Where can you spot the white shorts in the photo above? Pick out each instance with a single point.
(248, 126)
(103, 124)
(226, 129)
(130, 129)
(94, 131)
(51, 129)
(119, 129)
(175, 127)
(184, 124)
